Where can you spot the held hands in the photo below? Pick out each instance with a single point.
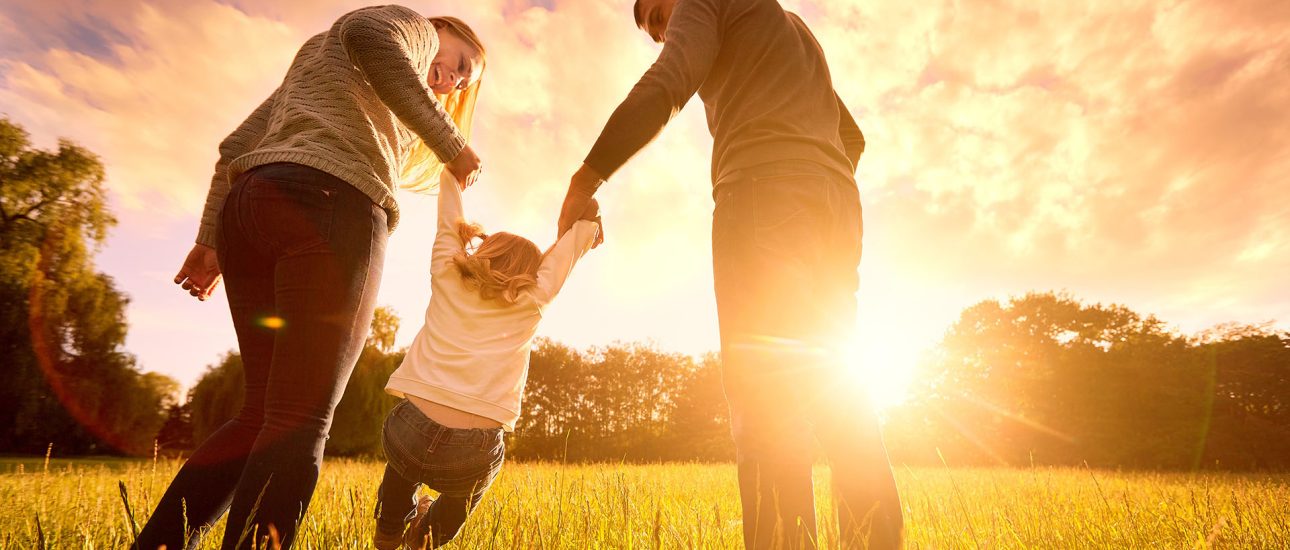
(466, 167)
(200, 273)
(592, 214)
(579, 204)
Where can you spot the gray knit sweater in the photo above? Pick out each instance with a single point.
(353, 104)
(764, 83)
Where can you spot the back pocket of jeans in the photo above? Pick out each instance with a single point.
(291, 216)
(789, 212)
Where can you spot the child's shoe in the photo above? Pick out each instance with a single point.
(387, 541)
(417, 536)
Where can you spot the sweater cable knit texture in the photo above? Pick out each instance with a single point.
(353, 104)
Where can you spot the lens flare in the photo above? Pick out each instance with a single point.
(272, 321)
(46, 348)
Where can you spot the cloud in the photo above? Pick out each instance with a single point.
(154, 105)
(1126, 151)
(1107, 145)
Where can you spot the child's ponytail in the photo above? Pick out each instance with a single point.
(469, 231)
(501, 266)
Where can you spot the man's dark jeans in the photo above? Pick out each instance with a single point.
(458, 463)
(786, 243)
(301, 253)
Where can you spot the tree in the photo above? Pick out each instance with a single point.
(385, 326)
(1045, 379)
(620, 402)
(356, 426)
(176, 433)
(62, 324)
(699, 426)
(1250, 423)
(217, 396)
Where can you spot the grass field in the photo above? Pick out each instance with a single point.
(78, 504)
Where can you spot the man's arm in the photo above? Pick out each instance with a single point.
(852, 137)
(692, 41)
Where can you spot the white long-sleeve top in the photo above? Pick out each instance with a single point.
(472, 354)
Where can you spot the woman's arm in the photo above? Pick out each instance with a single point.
(447, 240)
(381, 41)
(245, 138)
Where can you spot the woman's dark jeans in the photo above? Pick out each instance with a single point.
(301, 253)
(786, 244)
(458, 463)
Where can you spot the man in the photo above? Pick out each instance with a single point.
(786, 246)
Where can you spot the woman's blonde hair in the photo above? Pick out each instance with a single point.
(421, 170)
(502, 266)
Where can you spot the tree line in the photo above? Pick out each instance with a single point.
(1039, 379)
(1046, 379)
(620, 402)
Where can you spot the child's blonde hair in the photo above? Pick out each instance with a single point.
(502, 266)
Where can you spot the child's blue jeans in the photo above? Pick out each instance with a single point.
(458, 463)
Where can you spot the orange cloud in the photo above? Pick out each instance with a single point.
(1124, 151)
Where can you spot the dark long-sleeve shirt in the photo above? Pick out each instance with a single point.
(764, 83)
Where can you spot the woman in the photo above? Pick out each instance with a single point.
(296, 221)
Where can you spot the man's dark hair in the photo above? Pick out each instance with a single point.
(636, 12)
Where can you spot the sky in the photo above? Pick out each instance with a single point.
(1130, 152)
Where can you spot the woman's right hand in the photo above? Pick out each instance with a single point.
(466, 166)
(200, 273)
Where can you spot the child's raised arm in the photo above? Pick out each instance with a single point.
(559, 261)
(447, 240)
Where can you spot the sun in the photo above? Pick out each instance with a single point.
(882, 362)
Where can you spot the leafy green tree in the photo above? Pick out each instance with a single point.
(699, 424)
(176, 433)
(360, 415)
(69, 381)
(1249, 424)
(217, 396)
(621, 402)
(1046, 379)
(356, 426)
(385, 326)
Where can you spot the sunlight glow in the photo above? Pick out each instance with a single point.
(883, 363)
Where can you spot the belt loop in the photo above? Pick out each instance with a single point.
(434, 439)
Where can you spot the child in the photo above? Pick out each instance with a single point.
(463, 376)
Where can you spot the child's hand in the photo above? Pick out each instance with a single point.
(592, 211)
(592, 214)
